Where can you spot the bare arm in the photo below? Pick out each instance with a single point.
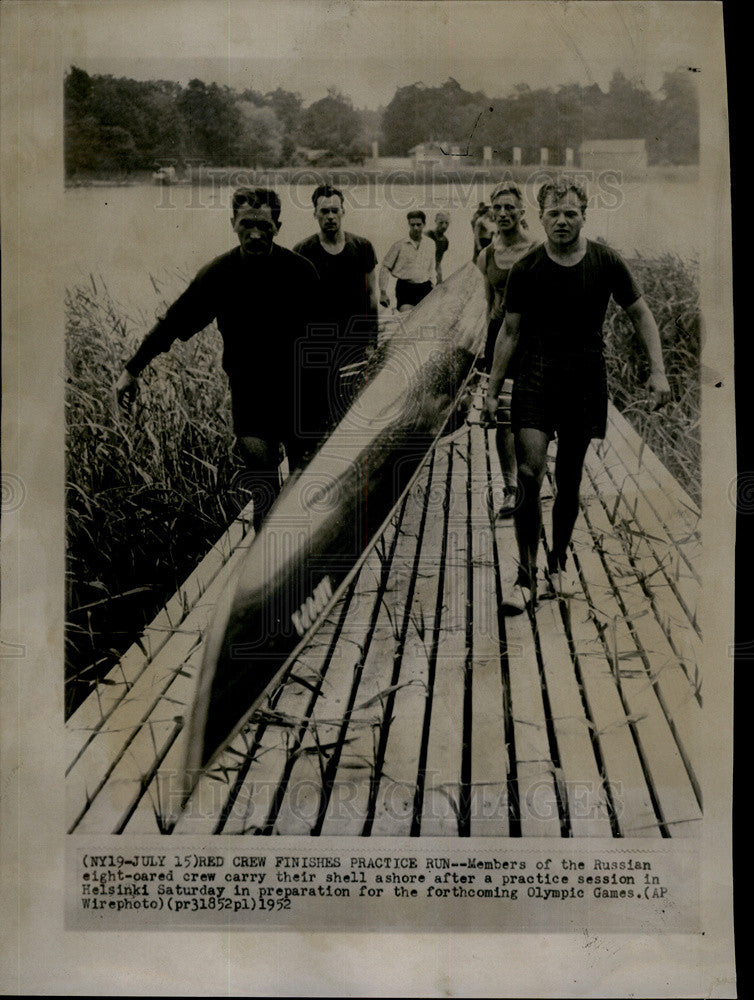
(505, 345)
(644, 323)
(384, 278)
(488, 289)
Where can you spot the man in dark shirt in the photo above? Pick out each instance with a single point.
(556, 299)
(442, 221)
(262, 297)
(346, 329)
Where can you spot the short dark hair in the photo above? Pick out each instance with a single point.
(559, 188)
(416, 214)
(327, 191)
(256, 198)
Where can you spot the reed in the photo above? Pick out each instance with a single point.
(146, 494)
(671, 288)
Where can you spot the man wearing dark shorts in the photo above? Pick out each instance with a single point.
(556, 301)
(411, 261)
(262, 297)
(346, 329)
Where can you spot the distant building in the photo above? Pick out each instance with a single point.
(626, 155)
(304, 154)
(426, 154)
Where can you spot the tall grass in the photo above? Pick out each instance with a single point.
(671, 289)
(147, 494)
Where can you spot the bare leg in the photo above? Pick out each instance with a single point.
(531, 452)
(262, 478)
(568, 468)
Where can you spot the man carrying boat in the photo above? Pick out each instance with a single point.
(346, 330)
(495, 262)
(262, 297)
(411, 261)
(556, 300)
(441, 241)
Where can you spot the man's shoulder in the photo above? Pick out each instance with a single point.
(531, 258)
(292, 259)
(356, 240)
(395, 247)
(223, 263)
(308, 246)
(603, 251)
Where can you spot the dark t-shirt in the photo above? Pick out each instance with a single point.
(563, 308)
(262, 306)
(441, 244)
(345, 298)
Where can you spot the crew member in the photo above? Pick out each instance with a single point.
(346, 330)
(262, 297)
(556, 300)
(441, 241)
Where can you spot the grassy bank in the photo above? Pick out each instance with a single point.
(671, 288)
(147, 495)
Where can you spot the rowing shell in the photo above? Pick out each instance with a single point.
(319, 530)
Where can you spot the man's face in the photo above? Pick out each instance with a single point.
(415, 229)
(329, 214)
(441, 224)
(508, 211)
(563, 219)
(255, 229)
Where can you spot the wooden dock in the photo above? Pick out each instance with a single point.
(418, 709)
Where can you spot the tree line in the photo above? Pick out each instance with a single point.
(119, 125)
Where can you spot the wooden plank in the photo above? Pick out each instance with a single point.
(675, 517)
(664, 479)
(307, 782)
(664, 670)
(353, 784)
(394, 801)
(99, 705)
(582, 785)
(212, 795)
(650, 559)
(103, 752)
(661, 760)
(441, 808)
(622, 769)
(536, 802)
(669, 532)
(488, 808)
(626, 794)
(279, 744)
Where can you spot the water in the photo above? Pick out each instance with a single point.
(126, 234)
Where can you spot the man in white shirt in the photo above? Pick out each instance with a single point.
(411, 261)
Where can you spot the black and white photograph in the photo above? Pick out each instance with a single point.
(369, 483)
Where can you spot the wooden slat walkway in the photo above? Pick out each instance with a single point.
(418, 709)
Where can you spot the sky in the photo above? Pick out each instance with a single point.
(369, 48)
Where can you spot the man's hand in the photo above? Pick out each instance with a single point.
(659, 389)
(125, 390)
(489, 411)
(384, 300)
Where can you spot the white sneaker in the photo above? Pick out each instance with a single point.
(518, 597)
(563, 581)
